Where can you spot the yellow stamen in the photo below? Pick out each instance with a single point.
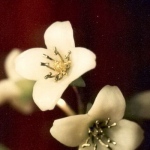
(60, 67)
(97, 132)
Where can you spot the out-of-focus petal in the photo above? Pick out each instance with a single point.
(8, 90)
(71, 131)
(24, 103)
(127, 134)
(109, 103)
(139, 106)
(9, 65)
(82, 60)
(25, 107)
(46, 93)
(3, 147)
(28, 64)
(60, 35)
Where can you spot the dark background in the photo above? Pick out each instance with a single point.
(117, 32)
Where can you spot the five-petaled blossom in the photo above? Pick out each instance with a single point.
(56, 67)
(102, 128)
(16, 90)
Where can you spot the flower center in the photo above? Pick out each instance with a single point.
(60, 67)
(96, 132)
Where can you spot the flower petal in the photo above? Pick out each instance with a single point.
(5, 86)
(82, 60)
(25, 107)
(46, 93)
(14, 96)
(60, 35)
(71, 131)
(139, 106)
(28, 63)
(10, 65)
(109, 103)
(127, 134)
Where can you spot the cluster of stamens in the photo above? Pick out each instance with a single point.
(60, 66)
(96, 132)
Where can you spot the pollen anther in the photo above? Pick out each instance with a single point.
(60, 67)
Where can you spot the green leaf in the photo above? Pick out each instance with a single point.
(78, 82)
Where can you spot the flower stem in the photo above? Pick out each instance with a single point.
(65, 107)
(79, 101)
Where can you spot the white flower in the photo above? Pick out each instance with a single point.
(16, 90)
(57, 66)
(102, 128)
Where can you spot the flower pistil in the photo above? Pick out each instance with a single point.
(96, 132)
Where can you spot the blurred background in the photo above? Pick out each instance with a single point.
(118, 32)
